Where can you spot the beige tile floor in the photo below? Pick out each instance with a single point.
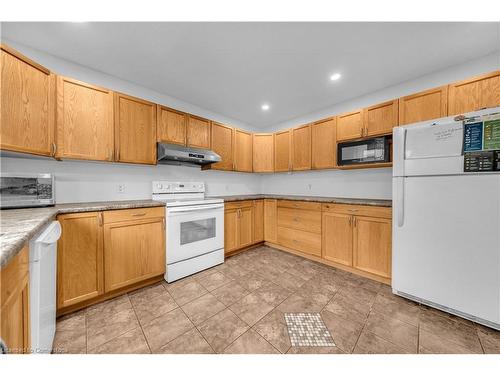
(239, 306)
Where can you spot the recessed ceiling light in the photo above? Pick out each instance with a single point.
(265, 107)
(335, 77)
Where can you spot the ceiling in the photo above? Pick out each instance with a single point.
(233, 68)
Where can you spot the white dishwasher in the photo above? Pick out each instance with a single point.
(43, 271)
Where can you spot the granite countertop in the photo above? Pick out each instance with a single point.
(360, 201)
(17, 226)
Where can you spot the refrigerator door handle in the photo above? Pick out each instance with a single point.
(400, 201)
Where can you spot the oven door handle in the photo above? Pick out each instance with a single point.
(196, 208)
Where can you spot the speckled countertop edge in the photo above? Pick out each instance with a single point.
(18, 226)
(356, 201)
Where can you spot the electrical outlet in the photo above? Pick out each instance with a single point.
(309, 186)
(121, 188)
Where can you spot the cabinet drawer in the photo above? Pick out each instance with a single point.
(133, 214)
(358, 210)
(314, 206)
(239, 204)
(13, 276)
(306, 220)
(306, 242)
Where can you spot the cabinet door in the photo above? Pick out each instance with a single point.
(135, 130)
(242, 151)
(263, 152)
(337, 238)
(171, 126)
(473, 94)
(323, 144)
(198, 132)
(381, 118)
(79, 258)
(230, 230)
(14, 304)
(270, 220)
(245, 226)
(133, 251)
(301, 148)
(222, 144)
(282, 151)
(258, 220)
(372, 245)
(350, 125)
(84, 121)
(27, 105)
(425, 105)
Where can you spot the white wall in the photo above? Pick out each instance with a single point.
(369, 183)
(81, 181)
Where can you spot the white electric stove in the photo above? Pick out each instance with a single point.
(195, 228)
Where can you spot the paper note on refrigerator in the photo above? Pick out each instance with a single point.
(434, 141)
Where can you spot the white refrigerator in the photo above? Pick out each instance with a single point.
(446, 215)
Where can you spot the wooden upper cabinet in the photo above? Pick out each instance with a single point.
(425, 105)
(84, 121)
(80, 274)
(27, 109)
(222, 144)
(380, 118)
(301, 148)
(263, 152)
(282, 151)
(135, 130)
(323, 144)
(198, 132)
(350, 125)
(473, 94)
(243, 146)
(171, 126)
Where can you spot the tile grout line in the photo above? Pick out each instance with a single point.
(140, 324)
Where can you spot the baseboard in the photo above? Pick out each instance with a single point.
(237, 251)
(103, 297)
(342, 267)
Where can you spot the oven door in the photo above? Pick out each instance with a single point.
(194, 230)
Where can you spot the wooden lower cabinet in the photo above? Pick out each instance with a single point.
(299, 226)
(14, 308)
(239, 225)
(80, 274)
(231, 237)
(270, 220)
(337, 238)
(258, 220)
(372, 237)
(134, 250)
(101, 252)
(358, 237)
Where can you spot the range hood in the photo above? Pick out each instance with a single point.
(180, 155)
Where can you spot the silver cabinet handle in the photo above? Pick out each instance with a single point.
(54, 149)
(139, 214)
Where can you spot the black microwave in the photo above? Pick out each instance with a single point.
(373, 150)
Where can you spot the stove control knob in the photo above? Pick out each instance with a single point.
(159, 186)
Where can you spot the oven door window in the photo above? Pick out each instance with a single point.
(197, 230)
